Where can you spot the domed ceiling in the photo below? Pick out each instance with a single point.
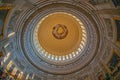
(57, 39)
(59, 36)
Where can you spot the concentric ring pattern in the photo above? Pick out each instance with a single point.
(54, 57)
(49, 59)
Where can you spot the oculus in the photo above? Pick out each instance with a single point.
(60, 31)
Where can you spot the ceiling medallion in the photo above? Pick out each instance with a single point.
(60, 31)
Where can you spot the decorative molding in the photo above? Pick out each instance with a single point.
(23, 23)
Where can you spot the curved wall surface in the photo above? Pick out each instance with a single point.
(34, 33)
